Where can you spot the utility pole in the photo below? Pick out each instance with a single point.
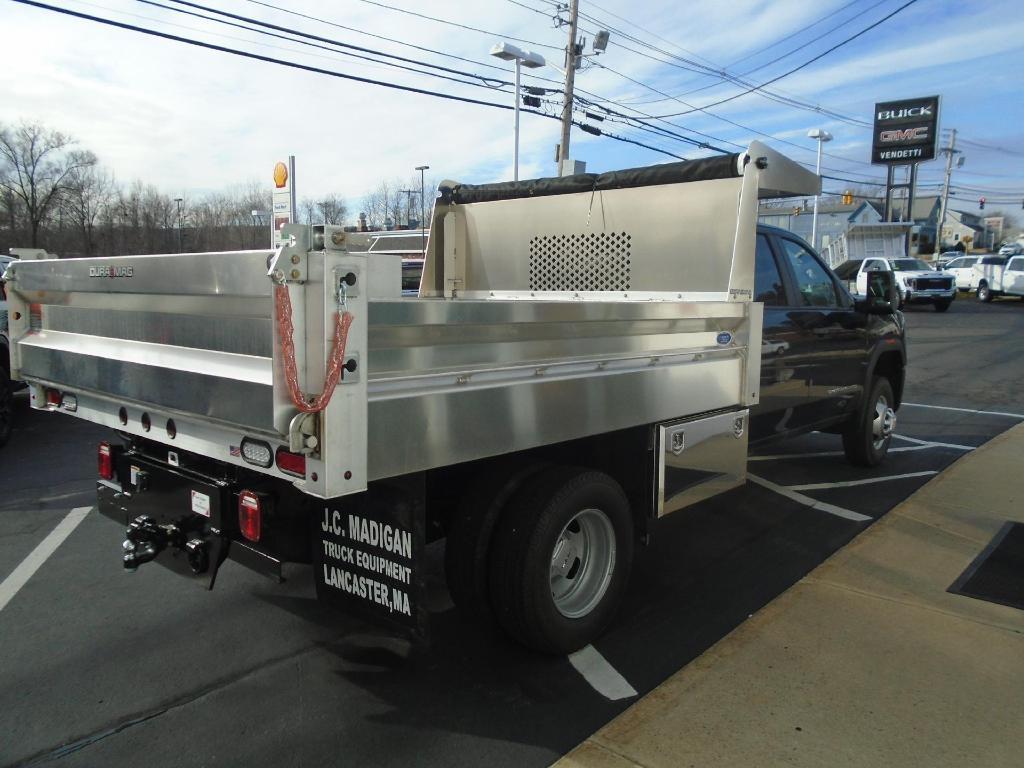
(949, 152)
(570, 76)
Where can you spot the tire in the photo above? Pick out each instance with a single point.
(866, 442)
(560, 559)
(942, 305)
(467, 546)
(984, 294)
(6, 405)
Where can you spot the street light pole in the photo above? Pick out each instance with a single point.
(521, 58)
(822, 137)
(423, 222)
(178, 200)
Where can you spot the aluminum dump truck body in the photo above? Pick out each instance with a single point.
(550, 313)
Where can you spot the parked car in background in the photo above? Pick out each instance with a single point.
(916, 281)
(944, 258)
(1010, 249)
(962, 269)
(999, 276)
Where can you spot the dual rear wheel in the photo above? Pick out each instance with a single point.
(552, 563)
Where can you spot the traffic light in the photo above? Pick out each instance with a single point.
(981, 203)
(847, 197)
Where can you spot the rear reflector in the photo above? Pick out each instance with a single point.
(106, 461)
(292, 463)
(53, 398)
(249, 515)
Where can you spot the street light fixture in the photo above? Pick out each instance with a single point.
(522, 58)
(821, 136)
(423, 223)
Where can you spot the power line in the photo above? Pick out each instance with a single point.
(791, 35)
(829, 31)
(458, 25)
(376, 36)
(337, 43)
(309, 68)
(722, 74)
(260, 57)
(803, 65)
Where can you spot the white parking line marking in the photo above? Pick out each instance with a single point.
(933, 444)
(807, 501)
(20, 575)
(903, 449)
(967, 410)
(601, 675)
(851, 483)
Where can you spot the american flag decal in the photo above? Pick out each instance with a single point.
(235, 450)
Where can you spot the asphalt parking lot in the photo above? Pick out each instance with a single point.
(100, 667)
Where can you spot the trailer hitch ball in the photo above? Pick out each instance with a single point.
(139, 554)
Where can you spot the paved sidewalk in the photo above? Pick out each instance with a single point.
(867, 661)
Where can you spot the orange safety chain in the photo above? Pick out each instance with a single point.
(286, 331)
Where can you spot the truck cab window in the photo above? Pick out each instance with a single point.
(768, 285)
(1015, 265)
(813, 281)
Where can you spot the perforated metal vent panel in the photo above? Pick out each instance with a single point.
(594, 261)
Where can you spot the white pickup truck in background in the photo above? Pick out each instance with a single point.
(917, 282)
(999, 276)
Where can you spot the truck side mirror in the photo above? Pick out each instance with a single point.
(883, 297)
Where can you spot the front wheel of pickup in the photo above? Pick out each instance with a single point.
(866, 442)
(561, 558)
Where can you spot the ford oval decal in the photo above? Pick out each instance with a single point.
(724, 338)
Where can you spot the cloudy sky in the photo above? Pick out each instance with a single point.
(190, 119)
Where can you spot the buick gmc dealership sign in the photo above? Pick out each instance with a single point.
(906, 131)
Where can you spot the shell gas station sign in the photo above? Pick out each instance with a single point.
(283, 198)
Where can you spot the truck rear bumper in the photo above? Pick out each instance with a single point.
(190, 522)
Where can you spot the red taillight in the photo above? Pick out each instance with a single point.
(292, 463)
(249, 515)
(106, 461)
(53, 398)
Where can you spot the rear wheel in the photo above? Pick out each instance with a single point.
(866, 442)
(560, 559)
(984, 293)
(469, 534)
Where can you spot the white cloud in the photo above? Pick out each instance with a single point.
(188, 119)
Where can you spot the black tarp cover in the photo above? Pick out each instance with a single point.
(702, 169)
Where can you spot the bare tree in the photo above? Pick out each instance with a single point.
(332, 209)
(89, 193)
(35, 164)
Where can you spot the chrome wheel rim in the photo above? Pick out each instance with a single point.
(582, 562)
(884, 422)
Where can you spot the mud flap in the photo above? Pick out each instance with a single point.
(369, 554)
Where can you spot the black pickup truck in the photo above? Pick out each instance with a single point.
(829, 362)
